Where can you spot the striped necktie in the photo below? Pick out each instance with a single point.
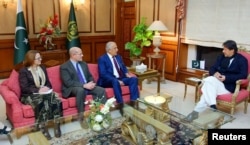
(116, 67)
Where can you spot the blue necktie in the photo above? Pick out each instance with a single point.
(81, 78)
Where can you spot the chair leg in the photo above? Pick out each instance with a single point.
(245, 106)
(232, 110)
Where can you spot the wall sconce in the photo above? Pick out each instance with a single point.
(5, 2)
(157, 26)
(76, 3)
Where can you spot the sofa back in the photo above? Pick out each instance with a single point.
(55, 80)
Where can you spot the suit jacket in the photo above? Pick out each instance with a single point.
(70, 78)
(238, 69)
(106, 68)
(27, 82)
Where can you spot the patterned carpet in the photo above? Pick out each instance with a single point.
(84, 136)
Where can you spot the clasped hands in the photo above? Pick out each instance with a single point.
(128, 76)
(219, 76)
(90, 85)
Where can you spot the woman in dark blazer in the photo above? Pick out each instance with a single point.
(36, 90)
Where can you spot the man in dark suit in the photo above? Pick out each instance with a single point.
(229, 67)
(113, 73)
(78, 81)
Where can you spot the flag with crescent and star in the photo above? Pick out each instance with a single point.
(21, 37)
(73, 39)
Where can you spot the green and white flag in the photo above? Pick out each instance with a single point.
(73, 39)
(21, 37)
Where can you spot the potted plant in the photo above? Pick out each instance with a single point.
(143, 38)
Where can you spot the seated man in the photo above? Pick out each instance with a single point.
(229, 67)
(78, 81)
(113, 73)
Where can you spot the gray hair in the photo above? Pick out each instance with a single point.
(73, 50)
(109, 45)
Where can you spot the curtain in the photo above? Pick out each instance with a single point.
(211, 22)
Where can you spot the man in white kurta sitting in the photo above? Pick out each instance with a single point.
(228, 68)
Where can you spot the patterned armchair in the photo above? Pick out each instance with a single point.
(241, 93)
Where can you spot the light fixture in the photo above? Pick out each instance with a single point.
(5, 2)
(157, 26)
(76, 3)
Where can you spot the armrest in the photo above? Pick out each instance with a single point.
(205, 75)
(9, 96)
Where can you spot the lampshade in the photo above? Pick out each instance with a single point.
(157, 26)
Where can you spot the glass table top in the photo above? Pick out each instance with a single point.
(158, 117)
(207, 119)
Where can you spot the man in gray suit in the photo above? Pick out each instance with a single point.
(78, 81)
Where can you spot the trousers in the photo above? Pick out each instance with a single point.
(210, 89)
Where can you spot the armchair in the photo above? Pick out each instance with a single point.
(240, 94)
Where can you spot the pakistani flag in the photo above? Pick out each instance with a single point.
(21, 37)
(73, 39)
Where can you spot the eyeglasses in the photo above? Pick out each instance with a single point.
(79, 54)
(39, 58)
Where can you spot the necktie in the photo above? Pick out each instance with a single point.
(116, 67)
(81, 78)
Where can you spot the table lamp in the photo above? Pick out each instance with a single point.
(157, 26)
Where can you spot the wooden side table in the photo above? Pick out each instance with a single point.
(146, 75)
(153, 57)
(194, 82)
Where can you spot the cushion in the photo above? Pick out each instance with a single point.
(247, 56)
(54, 77)
(13, 83)
(243, 94)
(28, 111)
(93, 69)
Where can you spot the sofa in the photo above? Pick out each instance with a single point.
(22, 115)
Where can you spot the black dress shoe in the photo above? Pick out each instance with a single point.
(80, 117)
(57, 130)
(192, 116)
(134, 104)
(120, 107)
(5, 130)
(45, 132)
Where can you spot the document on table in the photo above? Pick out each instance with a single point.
(47, 92)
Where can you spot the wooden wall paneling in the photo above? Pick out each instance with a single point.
(170, 48)
(146, 8)
(6, 58)
(87, 50)
(82, 13)
(40, 15)
(8, 18)
(103, 16)
(100, 49)
(84, 17)
(167, 14)
(128, 22)
(64, 8)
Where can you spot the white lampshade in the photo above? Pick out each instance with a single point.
(157, 26)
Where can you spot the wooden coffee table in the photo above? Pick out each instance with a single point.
(150, 73)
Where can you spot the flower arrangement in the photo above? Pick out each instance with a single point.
(49, 30)
(100, 118)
